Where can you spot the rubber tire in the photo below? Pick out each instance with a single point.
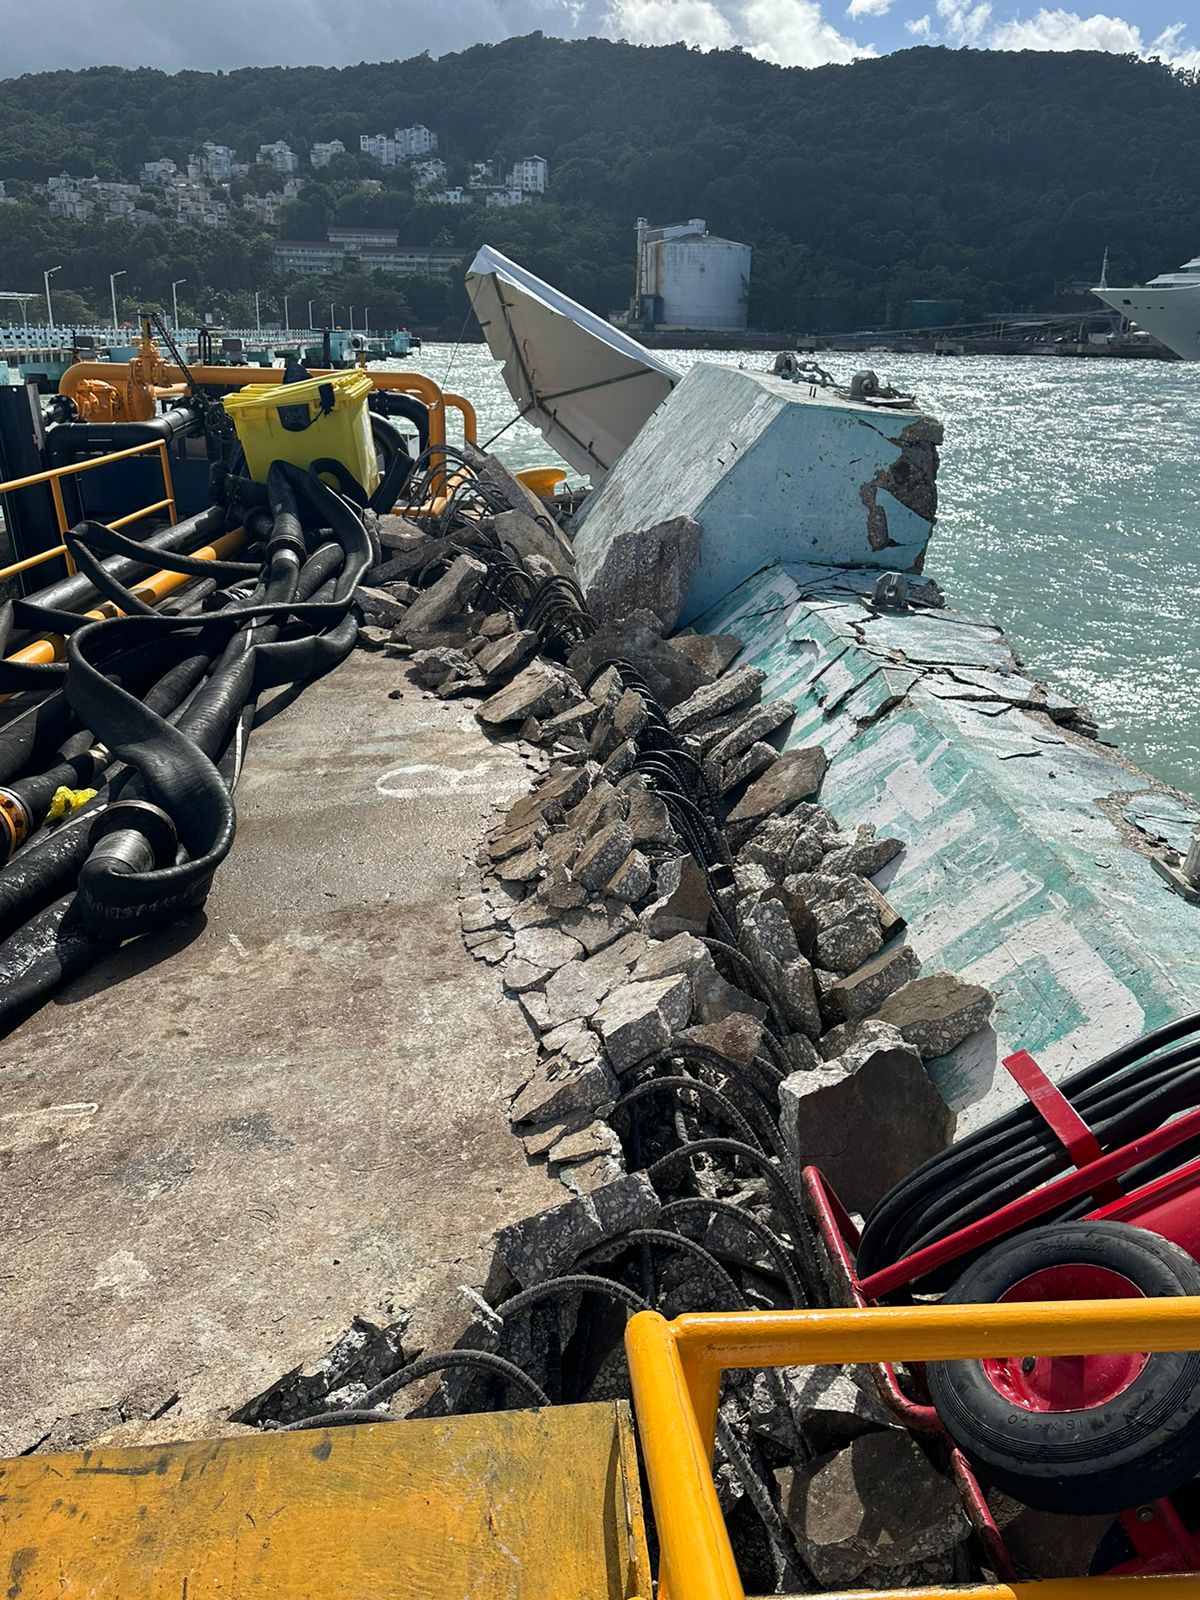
(1136, 1447)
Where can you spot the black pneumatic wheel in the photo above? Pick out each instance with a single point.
(1076, 1434)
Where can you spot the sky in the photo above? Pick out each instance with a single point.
(171, 34)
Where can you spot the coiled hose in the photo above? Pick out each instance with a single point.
(1127, 1093)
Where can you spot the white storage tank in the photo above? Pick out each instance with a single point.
(690, 278)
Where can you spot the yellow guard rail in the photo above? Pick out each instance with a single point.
(54, 476)
(675, 1369)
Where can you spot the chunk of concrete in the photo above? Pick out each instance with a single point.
(577, 989)
(637, 1020)
(501, 659)
(876, 1097)
(452, 592)
(669, 676)
(711, 652)
(529, 535)
(850, 941)
(377, 605)
(559, 1088)
(825, 1407)
(863, 856)
(539, 690)
(795, 777)
(632, 880)
(650, 568)
(545, 947)
(684, 903)
(877, 1503)
(937, 1013)
(750, 764)
(750, 730)
(602, 855)
(845, 998)
(736, 1036)
(734, 689)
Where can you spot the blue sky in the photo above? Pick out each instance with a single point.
(233, 33)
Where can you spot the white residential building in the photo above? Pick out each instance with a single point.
(507, 197)
(309, 257)
(429, 173)
(530, 174)
(451, 197)
(162, 171)
(279, 155)
(263, 207)
(481, 175)
(322, 154)
(217, 161)
(380, 147)
(353, 238)
(416, 141)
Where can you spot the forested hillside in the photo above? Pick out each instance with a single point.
(989, 177)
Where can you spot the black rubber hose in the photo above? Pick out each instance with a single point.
(1128, 1092)
(398, 465)
(484, 1360)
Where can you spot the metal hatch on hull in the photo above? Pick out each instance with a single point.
(584, 385)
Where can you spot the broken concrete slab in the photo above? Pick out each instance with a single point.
(684, 903)
(632, 880)
(452, 592)
(577, 989)
(845, 997)
(637, 1020)
(863, 856)
(794, 778)
(714, 699)
(712, 653)
(539, 1247)
(876, 1097)
(503, 658)
(560, 1088)
(750, 730)
(669, 676)
(877, 1503)
(651, 568)
(548, 947)
(529, 535)
(538, 690)
(937, 1013)
(602, 855)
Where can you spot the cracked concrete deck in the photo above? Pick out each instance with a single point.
(218, 1148)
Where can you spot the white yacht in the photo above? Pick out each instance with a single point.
(1168, 307)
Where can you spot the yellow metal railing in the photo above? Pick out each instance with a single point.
(54, 476)
(675, 1369)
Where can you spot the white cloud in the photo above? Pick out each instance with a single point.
(792, 33)
(697, 22)
(1067, 30)
(963, 22)
(868, 8)
(969, 22)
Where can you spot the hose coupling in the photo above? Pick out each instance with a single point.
(133, 836)
(16, 823)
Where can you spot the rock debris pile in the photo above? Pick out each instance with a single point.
(720, 995)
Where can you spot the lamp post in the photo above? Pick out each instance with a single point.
(287, 321)
(331, 315)
(46, 276)
(366, 320)
(175, 301)
(310, 320)
(257, 315)
(351, 319)
(112, 289)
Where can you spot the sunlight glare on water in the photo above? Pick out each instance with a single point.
(1068, 513)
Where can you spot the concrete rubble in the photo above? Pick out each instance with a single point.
(671, 902)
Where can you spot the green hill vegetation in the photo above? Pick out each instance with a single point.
(992, 178)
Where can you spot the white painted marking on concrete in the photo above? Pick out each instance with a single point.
(443, 780)
(238, 945)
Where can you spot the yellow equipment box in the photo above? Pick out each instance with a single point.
(507, 1505)
(320, 419)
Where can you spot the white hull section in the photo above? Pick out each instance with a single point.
(1171, 312)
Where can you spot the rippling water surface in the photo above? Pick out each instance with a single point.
(1068, 513)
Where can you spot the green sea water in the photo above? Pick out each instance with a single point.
(1068, 512)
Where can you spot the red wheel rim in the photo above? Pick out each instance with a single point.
(1066, 1383)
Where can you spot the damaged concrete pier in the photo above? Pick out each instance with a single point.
(226, 1144)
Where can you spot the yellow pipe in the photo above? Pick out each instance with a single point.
(152, 590)
(675, 1367)
(470, 420)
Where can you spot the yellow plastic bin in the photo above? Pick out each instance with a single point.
(318, 419)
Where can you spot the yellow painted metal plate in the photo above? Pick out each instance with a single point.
(541, 1505)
